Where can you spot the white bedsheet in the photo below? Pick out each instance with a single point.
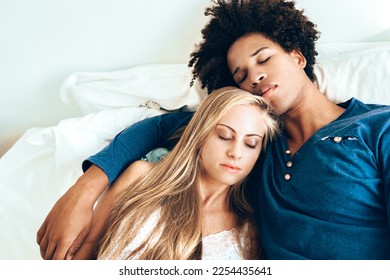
(42, 165)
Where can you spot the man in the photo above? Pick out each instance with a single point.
(321, 189)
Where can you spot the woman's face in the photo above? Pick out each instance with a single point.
(234, 145)
(262, 67)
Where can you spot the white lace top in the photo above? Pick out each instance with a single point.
(218, 246)
(221, 246)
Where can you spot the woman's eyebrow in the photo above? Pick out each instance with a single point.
(247, 135)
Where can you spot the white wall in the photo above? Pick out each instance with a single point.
(349, 20)
(44, 41)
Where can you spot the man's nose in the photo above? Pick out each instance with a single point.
(255, 77)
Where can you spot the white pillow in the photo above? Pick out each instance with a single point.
(364, 75)
(343, 70)
(337, 49)
(166, 84)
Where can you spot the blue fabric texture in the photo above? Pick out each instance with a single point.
(330, 200)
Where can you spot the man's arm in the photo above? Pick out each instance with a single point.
(69, 222)
(135, 142)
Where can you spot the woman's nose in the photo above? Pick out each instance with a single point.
(235, 152)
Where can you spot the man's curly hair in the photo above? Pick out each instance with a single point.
(278, 20)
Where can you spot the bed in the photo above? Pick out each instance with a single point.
(45, 162)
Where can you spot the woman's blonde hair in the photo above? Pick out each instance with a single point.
(171, 188)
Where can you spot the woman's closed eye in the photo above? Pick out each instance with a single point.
(252, 144)
(225, 137)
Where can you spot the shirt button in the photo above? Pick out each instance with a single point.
(337, 139)
(289, 164)
(287, 177)
(288, 152)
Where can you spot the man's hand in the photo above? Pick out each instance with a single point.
(64, 228)
(69, 222)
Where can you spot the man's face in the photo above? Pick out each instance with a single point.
(262, 67)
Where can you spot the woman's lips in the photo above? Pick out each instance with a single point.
(231, 168)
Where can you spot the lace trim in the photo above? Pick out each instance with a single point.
(222, 245)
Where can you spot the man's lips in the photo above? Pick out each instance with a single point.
(266, 89)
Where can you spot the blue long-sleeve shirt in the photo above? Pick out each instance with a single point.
(136, 141)
(330, 200)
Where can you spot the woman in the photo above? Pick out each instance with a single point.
(191, 204)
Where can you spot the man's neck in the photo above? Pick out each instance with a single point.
(311, 114)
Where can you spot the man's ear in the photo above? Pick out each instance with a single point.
(299, 57)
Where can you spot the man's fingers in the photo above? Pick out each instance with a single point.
(61, 250)
(53, 249)
(41, 232)
(50, 250)
(43, 245)
(75, 247)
